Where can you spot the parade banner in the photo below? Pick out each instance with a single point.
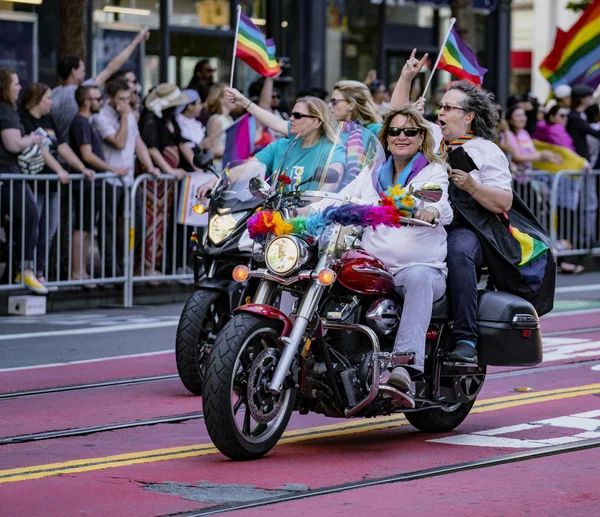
(187, 199)
(18, 45)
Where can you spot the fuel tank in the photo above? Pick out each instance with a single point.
(362, 273)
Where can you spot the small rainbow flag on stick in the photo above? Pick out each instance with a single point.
(256, 51)
(458, 59)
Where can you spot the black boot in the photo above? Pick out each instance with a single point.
(464, 352)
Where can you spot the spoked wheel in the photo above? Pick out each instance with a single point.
(450, 416)
(203, 316)
(244, 419)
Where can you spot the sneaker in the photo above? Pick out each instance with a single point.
(31, 282)
(42, 280)
(464, 352)
(400, 379)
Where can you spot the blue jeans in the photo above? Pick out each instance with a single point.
(464, 257)
(47, 204)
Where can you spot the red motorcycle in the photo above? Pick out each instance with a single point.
(324, 344)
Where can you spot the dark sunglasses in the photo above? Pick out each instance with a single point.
(95, 99)
(297, 115)
(410, 132)
(562, 115)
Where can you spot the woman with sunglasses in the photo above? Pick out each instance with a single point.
(468, 118)
(310, 118)
(415, 255)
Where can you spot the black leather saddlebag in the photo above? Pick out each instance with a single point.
(508, 331)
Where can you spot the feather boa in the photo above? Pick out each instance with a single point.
(396, 203)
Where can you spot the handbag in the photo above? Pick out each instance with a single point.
(31, 160)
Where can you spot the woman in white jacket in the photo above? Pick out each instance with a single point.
(415, 255)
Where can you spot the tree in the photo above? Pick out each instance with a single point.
(73, 27)
(462, 10)
(578, 6)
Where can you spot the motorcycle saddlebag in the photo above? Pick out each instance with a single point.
(508, 331)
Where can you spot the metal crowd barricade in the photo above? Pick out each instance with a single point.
(574, 212)
(66, 214)
(535, 190)
(158, 245)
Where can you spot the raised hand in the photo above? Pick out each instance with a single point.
(413, 65)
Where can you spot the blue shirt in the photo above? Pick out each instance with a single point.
(300, 163)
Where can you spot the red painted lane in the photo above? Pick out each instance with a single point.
(108, 495)
(96, 407)
(194, 432)
(565, 321)
(552, 486)
(316, 463)
(82, 373)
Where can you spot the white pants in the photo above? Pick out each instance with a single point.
(420, 286)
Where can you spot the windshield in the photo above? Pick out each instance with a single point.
(232, 192)
(306, 174)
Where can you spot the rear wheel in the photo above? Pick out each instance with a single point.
(203, 316)
(244, 419)
(439, 420)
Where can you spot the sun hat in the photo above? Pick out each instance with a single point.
(562, 91)
(165, 96)
(192, 96)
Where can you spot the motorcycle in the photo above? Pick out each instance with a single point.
(224, 245)
(326, 353)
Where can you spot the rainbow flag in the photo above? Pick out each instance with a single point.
(458, 59)
(592, 76)
(239, 140)
(254, 50)
(576, 51)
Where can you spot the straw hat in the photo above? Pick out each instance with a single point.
(165, 96)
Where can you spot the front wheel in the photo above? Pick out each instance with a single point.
(202, 318)
(244, 420)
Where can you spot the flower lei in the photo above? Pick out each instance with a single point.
(395, 203)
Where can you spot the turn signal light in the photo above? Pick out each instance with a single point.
(326, 277)
(199, 209)
(240, 273)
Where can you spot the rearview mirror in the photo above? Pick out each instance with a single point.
(259, 188)
(428, 192)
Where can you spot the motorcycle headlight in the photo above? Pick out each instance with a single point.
(283, 255)
(220, 227)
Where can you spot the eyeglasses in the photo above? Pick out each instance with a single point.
(562, 115)
(335, 102)
(275, 96)
(95, 99)
(449, 107)
(297, 115)
(410, 132)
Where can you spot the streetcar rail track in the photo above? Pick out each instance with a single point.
(398, 478)
(83, 431)
(143, 380)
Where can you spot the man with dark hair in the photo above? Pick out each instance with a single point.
(71, 70)
(135, 87)
(87, 145)
(203, 73)
(121, 142)
(582, 96)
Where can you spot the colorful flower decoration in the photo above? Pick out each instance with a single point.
(285, 179)
(396, 203)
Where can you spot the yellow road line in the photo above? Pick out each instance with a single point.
(300, 435)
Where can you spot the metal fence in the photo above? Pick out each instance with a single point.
(125, 235)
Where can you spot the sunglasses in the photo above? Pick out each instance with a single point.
(410, 132)
(335, 102)
(297, 115)
(95, 99)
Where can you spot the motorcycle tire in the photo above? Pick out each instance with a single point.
(437, 420)
(190, 353)
(227, 377)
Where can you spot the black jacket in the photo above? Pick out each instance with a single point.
(579, 129)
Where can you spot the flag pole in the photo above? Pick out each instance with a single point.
(437, 61)
(237, 28)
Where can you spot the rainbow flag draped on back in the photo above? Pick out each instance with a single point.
(458, 59)
(254, 50)
(575, 57)
(239, 140)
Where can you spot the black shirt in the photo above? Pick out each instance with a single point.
(81, 133)
(9, 119)
(579, 129)
(155, 133)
